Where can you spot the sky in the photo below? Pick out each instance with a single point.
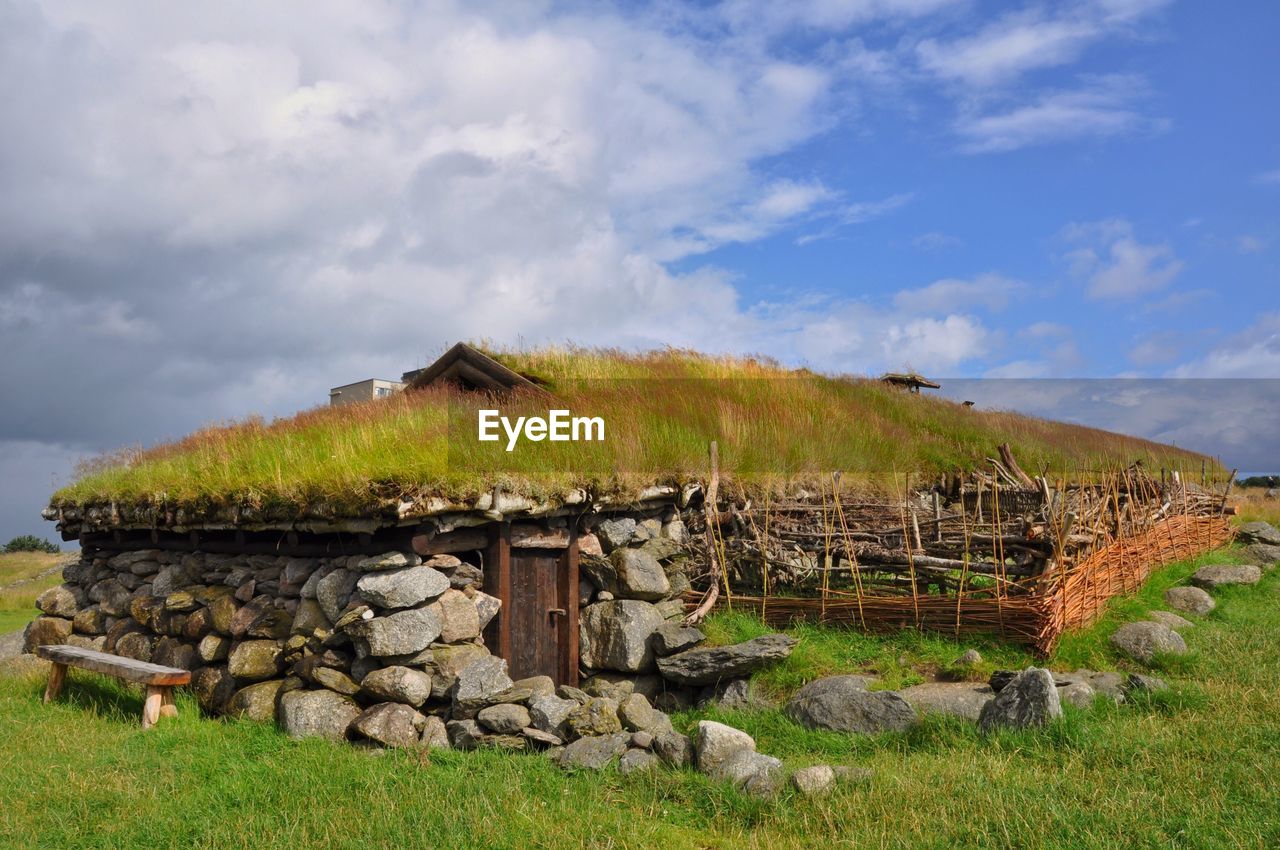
(218, 210)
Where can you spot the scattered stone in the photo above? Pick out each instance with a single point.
(402, 588)
(387, 561)
(537, 686)
(255, 659)
(637, 715)
(1108, 684)
(335, 680)
(642, 740)
(598, 716)
(397, 685)
(1211, 578)
(615, 533)
(549, 713)
(333, 591)
(1259, 532)
(65, 600)
(1265, 554)
(715, 742)
(636, 761)
(434, 734)
(1079, 694)
(1191, 600)
(615, 635)
(968, 658)
(758, 773)
(957, 699)
(478, 684)
(670, 638)
(1170, 619)
(401, 633)
(814, 781)
(594, 753)
(639, 575)
(256, 702)
(505, 718)
(673, 748)
(1144, 640)
(324, 714)
(733, 695)
(706, 666)
(447, 662)
(842, 703)
(1138, 683)
(459, 619)
(1031, 699)
(391, 724)
(487, 608)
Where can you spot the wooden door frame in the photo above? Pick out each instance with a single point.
(497, 583)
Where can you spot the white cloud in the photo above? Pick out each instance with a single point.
(1116, 264)
(934, 344)
(991, 291)
(1268, 178)
(1249, 244)
(1252, 353)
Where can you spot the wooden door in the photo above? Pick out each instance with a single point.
(537, 627)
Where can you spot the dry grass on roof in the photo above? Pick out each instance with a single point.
(661, 408)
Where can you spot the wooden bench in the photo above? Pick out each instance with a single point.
(160, 681)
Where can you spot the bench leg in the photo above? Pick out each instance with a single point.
(168, 708)
(151, 706)
(57, 675)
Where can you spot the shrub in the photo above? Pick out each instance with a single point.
(31, 543)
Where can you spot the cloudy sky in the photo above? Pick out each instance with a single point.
(212, 210)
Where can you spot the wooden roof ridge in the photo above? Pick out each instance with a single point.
(470, 367)
(909, 379)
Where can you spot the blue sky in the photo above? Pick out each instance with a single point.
(217, 211)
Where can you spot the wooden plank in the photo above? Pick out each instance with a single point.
(463, 540)
(530, 535)
(497, 583)
(57, 676)
(569, 599)
(114, 665)
(151, 706)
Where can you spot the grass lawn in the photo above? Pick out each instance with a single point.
(1193, 767)
(23, 577)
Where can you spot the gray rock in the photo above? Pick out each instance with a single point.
(391, 724)
(594, 753)
(968, 658)
(544, 739)
(447, 662)
(479, 684)
(597, 716)
(256, 702)
(334, 590)
(213, 688)
(733, 695)
(387, 561)
(213, 648)
(639, 575)
(706, 666)
(324, 714)
(1143, 641)
(641, 740)
(749, 769)
(65, 601)
(397, 685)
(673, 748)
(401, 633)
(255, 659)
(1211, 578)
(615, 686)
(1259, 532)
(637, 761)
(401, 588)
(487, 608)
(309, 618)
(1170, 619)
(842, 703)
(637, 715)
(715, 742)
(1109, 684)
(616, 635)
(1265, 555)
(538, 686)
(434, 734)
(505, 718)
(464, 734)
(957, 699)
(615, 533)
(335, 680)
(1190, 600)
(1079, 694)
(814, 781)
(1138, 683)
(459, 619)
(549, 713)
(1031, 699)
(670, 638)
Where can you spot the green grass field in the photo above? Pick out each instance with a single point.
(1193, 767)
(23, 577)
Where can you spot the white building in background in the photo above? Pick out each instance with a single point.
(364, 391)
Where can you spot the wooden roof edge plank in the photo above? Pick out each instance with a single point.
(464, 355)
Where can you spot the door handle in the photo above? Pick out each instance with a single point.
(557, 612)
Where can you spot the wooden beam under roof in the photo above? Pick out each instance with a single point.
(471, 368)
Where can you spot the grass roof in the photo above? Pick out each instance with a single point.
(661, 409)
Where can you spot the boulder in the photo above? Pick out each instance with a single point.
(434, 734)
(45, 631)
(1265, 555)
(1211, 578)
(538, 686)
(616, 635)
(549, 713)
(715, 742)
(65, 601)
(401, 633)
(594, 753)
(505, 718)
(670, 638)
(637, 761)
(598, 716)
(1030, 699)
(335, 680)
(91, 621)
(324, 714)
(256, 702)
(334, 590)
(748, 769)
(638, 575)
(1138, 683)
(479, 684)
(486, 608)
(246, 615)
(398, 684)
(637, 715)
(706, 666)
(390, 724)
(136, 645)
(843, 704)
(733, 695)
(401, 588)
(957, 699)
(673, 748)
(1143, 641)
(459, 619)
(222, 612)
(1258, 532)
(255, 659)
(273, 624)
(213, 648)
(386, 561)
(1190, 600)
(1079, 694)
(213, 688)
(814, 781)
(615, 533)
(171, 652)
(968, 658)
(1170, 619)
(447, 662)
(309, 618)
